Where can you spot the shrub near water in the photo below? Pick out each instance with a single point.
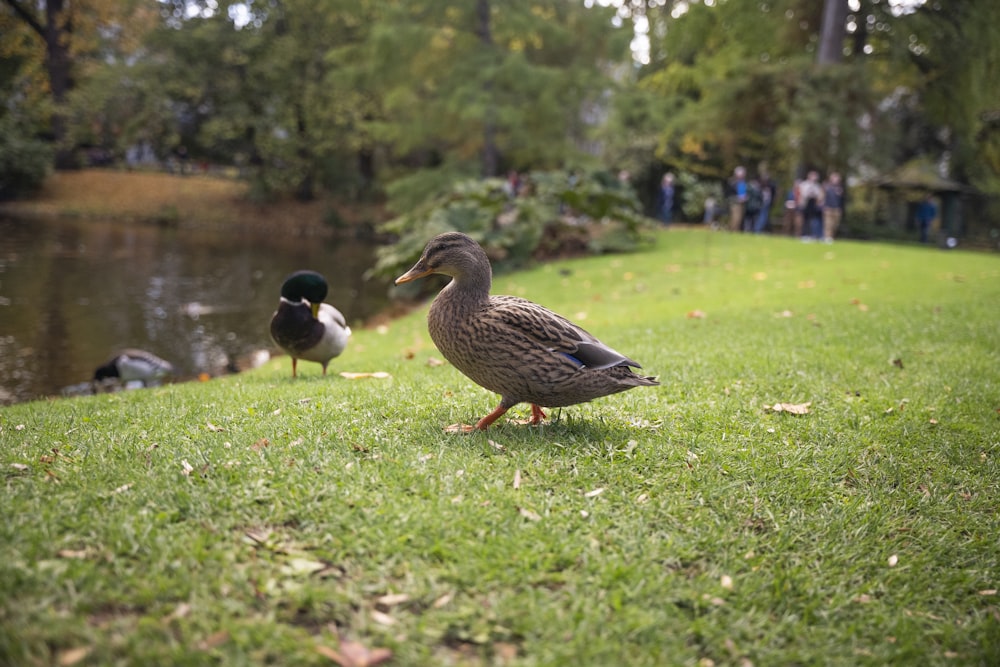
(261, 519)
(554, 214)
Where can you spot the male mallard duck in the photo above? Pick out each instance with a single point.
(132, 365)
(509, 345)
(304, 326)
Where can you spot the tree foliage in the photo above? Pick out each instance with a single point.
(407, 96)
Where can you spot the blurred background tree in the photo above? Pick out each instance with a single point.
(401, 99)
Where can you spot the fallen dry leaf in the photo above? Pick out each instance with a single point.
(897, 362)
(260, 444)
(528, 514)
(379, 375)
(988, 591)
(354, 654)
(181, 611)
(73, 655)
(443, 600)
(434, 361)
(213, 640)
(72, 553)
(382, 618)
(186, 467)
(517, 478)
(696, 315)
(212, 427)
(19, 466)
(592, 494)
(790, 408)
(392, 599)
(458, 428)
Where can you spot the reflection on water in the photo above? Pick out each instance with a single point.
(72, 292)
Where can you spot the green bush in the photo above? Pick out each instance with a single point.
(24, 160)
(556, 214)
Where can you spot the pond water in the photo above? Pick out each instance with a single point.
(72, 292)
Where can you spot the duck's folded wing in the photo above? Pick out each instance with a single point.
(554, 332)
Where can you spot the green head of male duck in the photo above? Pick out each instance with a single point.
(305, 285)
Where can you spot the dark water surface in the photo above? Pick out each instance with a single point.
(74, 291)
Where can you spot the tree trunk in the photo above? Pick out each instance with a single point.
(57, 61)
(832, 32)
(491, 155)
(55, 32)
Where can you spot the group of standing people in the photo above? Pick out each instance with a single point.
(813, 209)
(750, 201)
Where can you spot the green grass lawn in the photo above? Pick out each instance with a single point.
(258, 519)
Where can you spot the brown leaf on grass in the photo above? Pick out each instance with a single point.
(72, 656)
(378, 375)
(73, 553)
(215, 639)
(392, 599)
(443, 600)
(458, 428)
(528, 514)
(988, 591)
(790, 408)
(434, 361)
(897, 362)
(186, 467)
(355, 654)
(20, 467)
(696, 315)
(182, 610)
(212, 427)
(383, 618)
(505, 652)
(260, 444)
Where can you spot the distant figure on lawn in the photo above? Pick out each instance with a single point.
(833, 206)
(665, 203)
(926, 212)
(737, 199)
(811, 205)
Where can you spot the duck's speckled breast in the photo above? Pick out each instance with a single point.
(507, 361)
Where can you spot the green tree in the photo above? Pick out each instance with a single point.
(66, 38)
(478, 88)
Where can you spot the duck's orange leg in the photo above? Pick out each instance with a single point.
(536, 415)
(484, 423)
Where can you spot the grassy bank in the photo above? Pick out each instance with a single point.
(201, 200)
(261, 519)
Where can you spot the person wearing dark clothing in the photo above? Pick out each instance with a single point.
(926, 212)
(665, 208)
(833, 206)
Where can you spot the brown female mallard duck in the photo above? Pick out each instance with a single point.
(509, 345)
(304, 326)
